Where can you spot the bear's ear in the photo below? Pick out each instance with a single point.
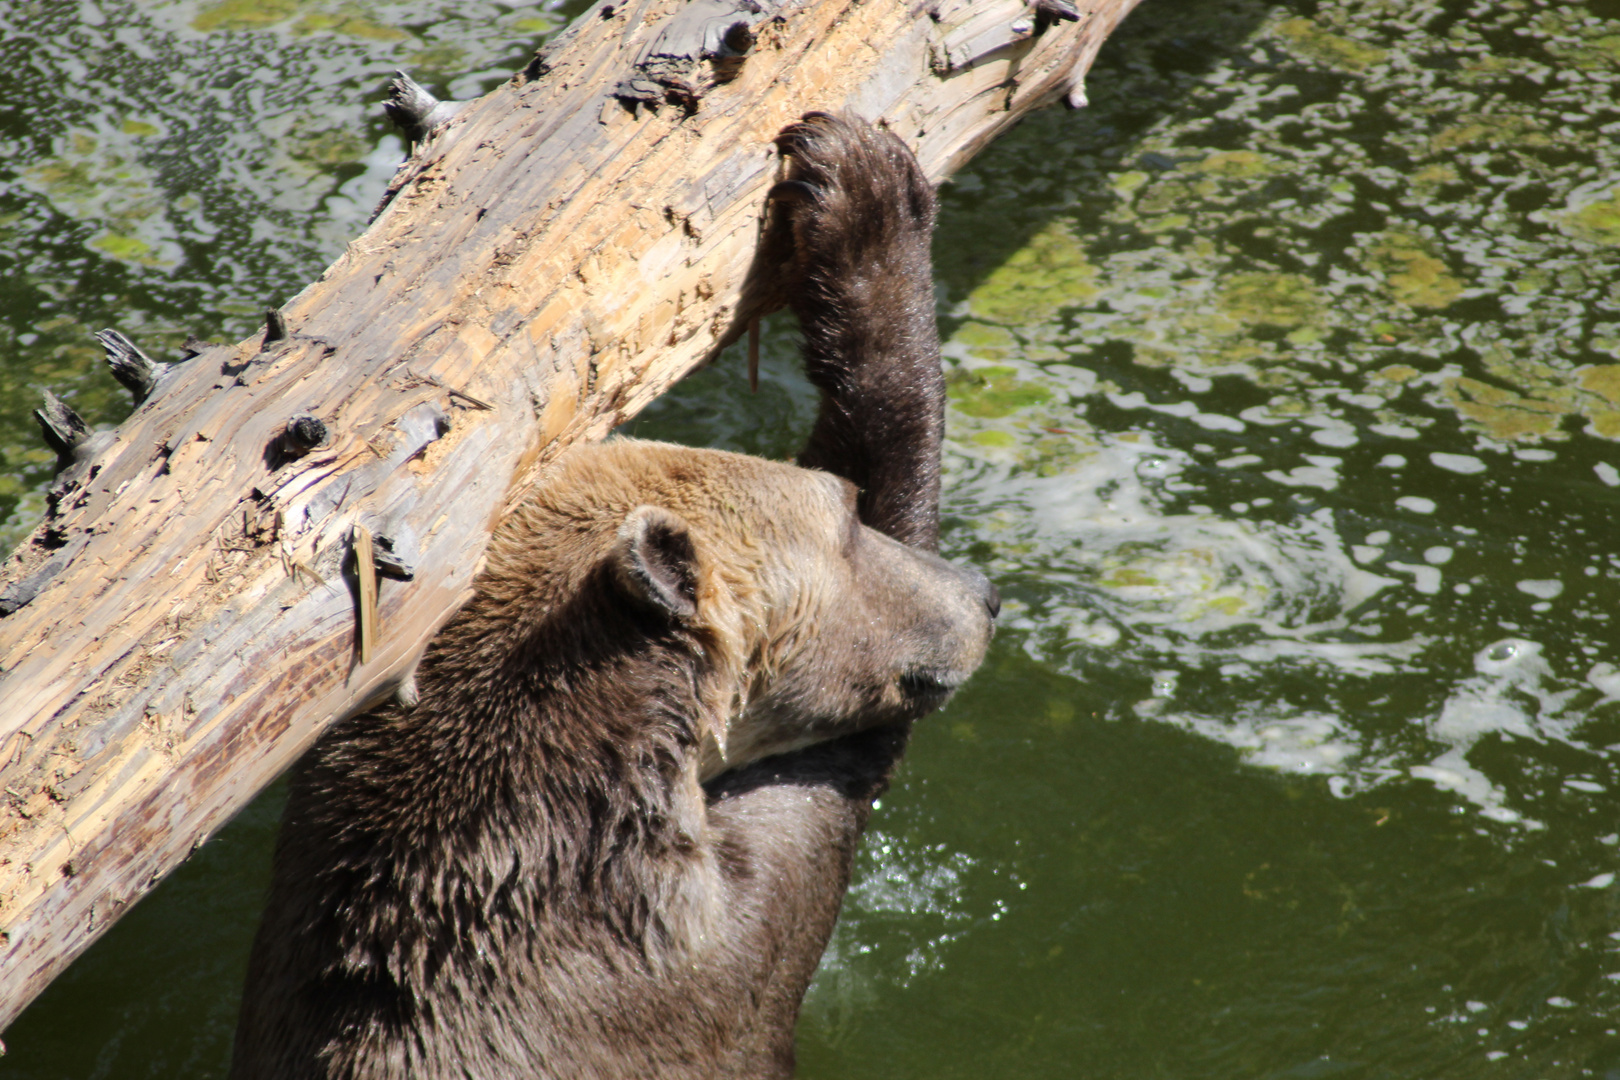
(656, 561)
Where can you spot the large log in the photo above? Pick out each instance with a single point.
(554, 257)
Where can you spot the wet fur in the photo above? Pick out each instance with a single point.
(596, 848)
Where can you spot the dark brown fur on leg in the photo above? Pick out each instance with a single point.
(862, 217)
(833, 783)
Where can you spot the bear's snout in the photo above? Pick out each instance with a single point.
(953, 610)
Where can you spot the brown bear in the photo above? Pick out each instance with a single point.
(611, 839)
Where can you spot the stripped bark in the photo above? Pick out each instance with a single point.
(187, 619)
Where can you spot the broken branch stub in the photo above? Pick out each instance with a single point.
(62, 428)
(552, 258)
(134, 370)
(414, 111)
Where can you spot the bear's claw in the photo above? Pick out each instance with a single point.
(855, 197)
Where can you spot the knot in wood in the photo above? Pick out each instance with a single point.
(305, 433)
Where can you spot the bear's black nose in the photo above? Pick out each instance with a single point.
(992, 598)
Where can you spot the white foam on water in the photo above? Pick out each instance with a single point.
(1465, 464)
(896, 884)
(1123, 574)
(1309, 744)
(1133, 568)
(1605, 678)
(1425, 579)
(1509, 696)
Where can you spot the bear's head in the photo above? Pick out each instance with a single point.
(799, 623)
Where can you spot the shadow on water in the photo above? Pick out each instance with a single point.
(999, 203)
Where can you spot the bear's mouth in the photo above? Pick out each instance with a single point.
(930, 687)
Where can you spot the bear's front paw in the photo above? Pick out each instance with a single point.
(856, 199)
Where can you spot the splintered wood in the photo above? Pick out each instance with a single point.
(365, 568)
(183, 624)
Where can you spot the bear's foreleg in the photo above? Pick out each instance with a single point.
(862, 216)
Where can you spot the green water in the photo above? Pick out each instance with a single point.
(1285, 398)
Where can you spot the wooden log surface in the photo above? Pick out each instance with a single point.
(553, 258)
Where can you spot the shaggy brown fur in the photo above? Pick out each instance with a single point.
(612, 838)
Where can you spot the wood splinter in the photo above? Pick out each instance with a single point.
(413, 379)
(294, 567)
(374, 555)
(395, 558)
(365, 569)
(468, 398)
(1053, 11)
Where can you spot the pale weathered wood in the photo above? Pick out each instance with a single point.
(551, 262)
